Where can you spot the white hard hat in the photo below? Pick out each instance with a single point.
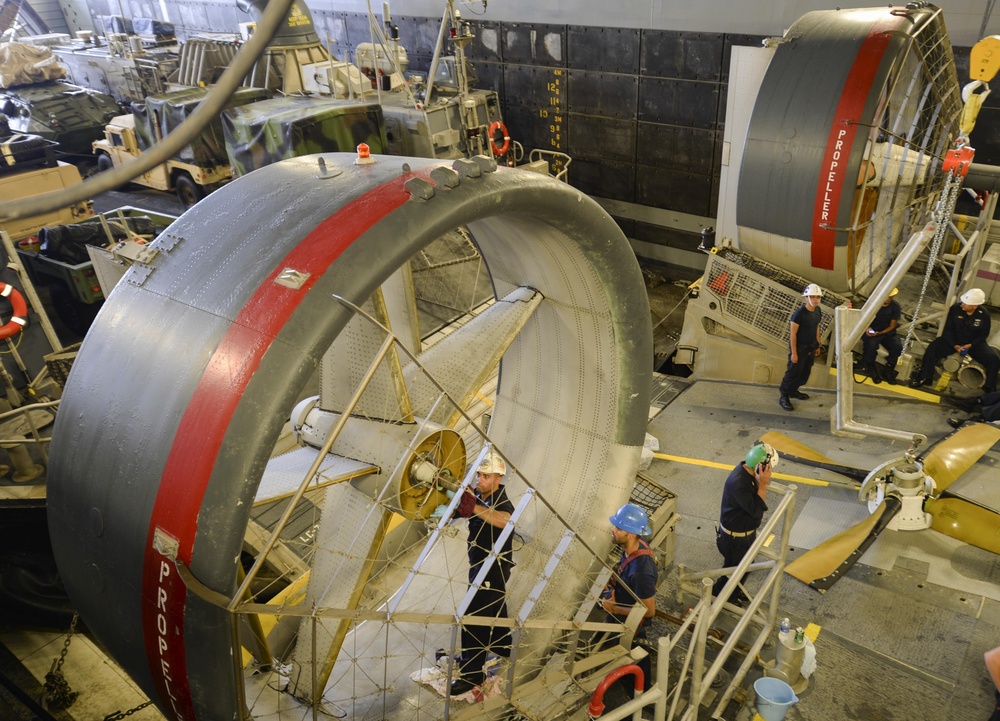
(492, 463)
(974, 296)
(813, 289)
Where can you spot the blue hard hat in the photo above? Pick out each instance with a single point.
(631, 519)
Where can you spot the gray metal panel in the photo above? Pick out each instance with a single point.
(679, 102)
(533, 44)
(613, 50)
(551, 133)
(601, 138)
(692, 56)
(608, 94)
(680, 148)
(789, 132)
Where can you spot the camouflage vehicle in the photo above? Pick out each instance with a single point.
(70, 115)
(273, 130)
(199, 168)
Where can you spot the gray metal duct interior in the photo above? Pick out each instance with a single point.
(183, 384)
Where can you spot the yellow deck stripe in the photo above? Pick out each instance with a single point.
(723, 466)
(901, 388)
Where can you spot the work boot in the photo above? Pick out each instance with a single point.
(462, 685)
(955, 423)
(785, 403)
(800, 395)
(918, 382)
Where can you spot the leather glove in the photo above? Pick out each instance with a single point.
(466, 505)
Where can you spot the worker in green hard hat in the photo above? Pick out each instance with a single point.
(744, 501)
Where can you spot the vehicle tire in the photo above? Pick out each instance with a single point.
(188, 191)
(104, 162)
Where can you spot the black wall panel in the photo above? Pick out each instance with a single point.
(676, 190)
(593, 137)
(754, 41)
(528, 127)
(612, 50)
(534, 44)
(607, 94)
(537, 87)
(679, 102)
(490, 77)
(678, 148)
(672, 54)
(417, 34)
(487, 43)
(604, 179)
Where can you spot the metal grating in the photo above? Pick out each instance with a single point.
(759, 294)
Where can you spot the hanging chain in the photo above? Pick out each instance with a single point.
(56, 693)
(941, 216)
(119, 715)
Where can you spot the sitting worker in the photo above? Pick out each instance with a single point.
(966, 330)
(984, 409)
(882, 332)
(636, 571)
(744, 501)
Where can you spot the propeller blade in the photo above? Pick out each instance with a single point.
(792, 450)
(965, 521)
(824, 565)
(958, 452)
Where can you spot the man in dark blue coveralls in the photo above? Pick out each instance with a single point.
(966, 332)
(743, 506)
(803, 346)
(488, 511)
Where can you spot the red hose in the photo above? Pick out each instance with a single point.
(596, 707)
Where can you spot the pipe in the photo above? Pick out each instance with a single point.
(437, 54)
(596, 707)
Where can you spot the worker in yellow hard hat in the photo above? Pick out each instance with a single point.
(882, 332)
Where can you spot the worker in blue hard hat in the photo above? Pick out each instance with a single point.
(744, 501)
(635, 577)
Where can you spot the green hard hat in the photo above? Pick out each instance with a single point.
(761, 452)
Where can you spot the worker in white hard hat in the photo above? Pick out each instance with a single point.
(744, 501)
(882, 332)
(803, 346)
(966, 331)
(488, 511)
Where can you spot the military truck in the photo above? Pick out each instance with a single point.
(199, 168)
(28, 168)
(281, 128)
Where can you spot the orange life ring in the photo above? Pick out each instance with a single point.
(494, 127)
(20, 308)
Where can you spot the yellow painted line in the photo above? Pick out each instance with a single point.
(812, 631)
(900, 388)
(723, 466)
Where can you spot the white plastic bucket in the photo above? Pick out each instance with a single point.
(774, 696)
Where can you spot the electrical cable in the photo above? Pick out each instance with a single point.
(186, 132)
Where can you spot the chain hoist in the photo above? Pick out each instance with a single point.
(119, 715)
(56, 693)
(942, 216)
